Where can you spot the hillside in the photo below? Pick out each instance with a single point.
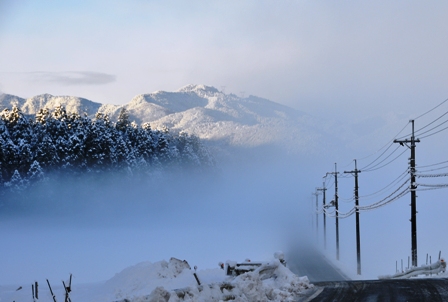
(220, 119)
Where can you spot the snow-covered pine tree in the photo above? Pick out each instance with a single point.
(186, 146)
(45, 151)
(18, 136)
(16, 183)
(58, 141)
(123, 120)
(35, 173)
(76, 136)
(42, 116)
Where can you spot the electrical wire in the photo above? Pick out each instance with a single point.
(434, 132)
(347, 200)
(430, 170)
(432, 165)
(371, 163)
(428, 189)
(431, 109)
(327, 213)
(347, 214)
(390, 141)
(401, 194)
(417, 131)
(432, 127)
(371, 169)
(329, 186)
(399, 178)
(432, 175)
(373, 205)
(433, 186)
(344, 176)
(427, 125)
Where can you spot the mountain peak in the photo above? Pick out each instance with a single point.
(199, 89)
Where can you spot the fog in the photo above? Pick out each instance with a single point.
(257, 203)
(386, 232)
(363, 64)
(94, 228)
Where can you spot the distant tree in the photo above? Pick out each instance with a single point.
(61, 142)
(123, 120)
(35, 173)
(60, 113)
(16, 184)
(42, 116)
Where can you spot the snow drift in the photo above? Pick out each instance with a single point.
(174, 281)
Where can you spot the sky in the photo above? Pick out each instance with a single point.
(340, 59)
(323, 57)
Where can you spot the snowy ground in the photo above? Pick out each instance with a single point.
(174, 280)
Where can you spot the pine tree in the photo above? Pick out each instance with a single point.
(16, 183)
(123, 120)
(35, 173)
(69, 143)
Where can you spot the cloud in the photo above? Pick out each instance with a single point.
(70, 78)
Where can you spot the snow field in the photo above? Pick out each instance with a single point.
(172, 281)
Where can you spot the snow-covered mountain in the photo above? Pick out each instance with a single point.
(7, 101)
(220, 119)
(32, 105)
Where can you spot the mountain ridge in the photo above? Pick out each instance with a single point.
(223, 121)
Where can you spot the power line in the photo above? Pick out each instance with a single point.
(382, 148)
(435, 169)
(434, 133)
(378, 203)
(371, 163)
(372, 169)
(398, 196)
(417, 131)
(427, 125)
(431, 165)
(430, 189)
(434, 186)
(369, 208)
(399, 178)
(375, 205)
(431, 109)
(434, 127)
(432, 175)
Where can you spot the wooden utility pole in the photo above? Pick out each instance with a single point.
(335, 173)
(317, 211)
(412, 142)
(323, 189)
(358, 235)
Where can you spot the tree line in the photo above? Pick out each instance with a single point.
(56, 142)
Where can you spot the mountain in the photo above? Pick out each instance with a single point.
(7, 101)
(215, 116)
(71, 104)
(32, 105)
(222, 120)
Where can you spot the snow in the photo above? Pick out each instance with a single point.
(202, 111)
(174, 280)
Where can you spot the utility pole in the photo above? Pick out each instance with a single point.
(335, 173)
(317, 212)
(412, 142)
(358, 235)
(323, 189)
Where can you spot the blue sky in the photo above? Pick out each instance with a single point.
(342, 59)
(321, 57)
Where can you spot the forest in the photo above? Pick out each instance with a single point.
(38, 148)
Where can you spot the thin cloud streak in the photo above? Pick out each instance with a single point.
(70, 78)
